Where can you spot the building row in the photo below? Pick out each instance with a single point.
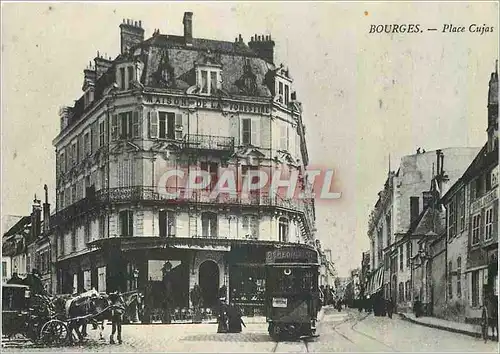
(434, 229)
(165, 103)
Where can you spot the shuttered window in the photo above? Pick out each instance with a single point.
(178, 126)
(246, 132)
(136, 131)
(153, 124)
(284, 136)
(167, 223)
(126, 223)
(488, 227)
(114, 127)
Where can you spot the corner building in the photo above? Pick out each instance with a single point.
(177, 102)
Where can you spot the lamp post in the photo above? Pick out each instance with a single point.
(135, 274)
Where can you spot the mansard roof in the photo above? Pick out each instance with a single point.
(168, 55)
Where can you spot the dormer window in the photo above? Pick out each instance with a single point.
(125, 75)
(283, 87)
(209, 80)
(89, 96)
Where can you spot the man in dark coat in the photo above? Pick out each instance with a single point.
(390, 307)
(15, 279)
(234, 319)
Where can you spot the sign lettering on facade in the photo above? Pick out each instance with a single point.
(484, 201)
(209, 103)
(292, 254)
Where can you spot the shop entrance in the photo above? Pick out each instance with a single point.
(209, 283)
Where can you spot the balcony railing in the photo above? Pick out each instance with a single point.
(180, 195)
(208, 142)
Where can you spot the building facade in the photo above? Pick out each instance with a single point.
(458, 266)
(396, 213)
(178, 103)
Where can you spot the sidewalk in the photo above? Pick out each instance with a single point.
(456, 327)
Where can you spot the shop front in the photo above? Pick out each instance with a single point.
(247, 281)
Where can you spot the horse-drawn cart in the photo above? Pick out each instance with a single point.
(31, 316)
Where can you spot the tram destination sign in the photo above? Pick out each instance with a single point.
(300, 255)
(208, 103)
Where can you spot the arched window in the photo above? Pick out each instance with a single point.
(450, 291)
(283, 229)
(459, 276)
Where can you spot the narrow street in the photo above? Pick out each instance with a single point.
(347, 331)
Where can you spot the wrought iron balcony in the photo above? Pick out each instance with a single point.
(208, 142)
(177, 196)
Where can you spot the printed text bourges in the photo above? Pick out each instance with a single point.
(418, 28)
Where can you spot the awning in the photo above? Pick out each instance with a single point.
(376, 281)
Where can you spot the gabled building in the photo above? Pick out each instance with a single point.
(166, 103)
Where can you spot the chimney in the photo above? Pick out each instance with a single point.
(263, 46)
(131, 33)
(46, 211)
(102, 64)
(187, 21)
(89, 78)
(36, 221)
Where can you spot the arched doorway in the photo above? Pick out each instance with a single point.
(209, 283)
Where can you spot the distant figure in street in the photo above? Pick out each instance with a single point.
(390, 307)
(489, 316)
(417, 308)
(116, 316)
(234, 319)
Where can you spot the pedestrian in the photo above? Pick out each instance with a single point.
(235, 320)
(117, 311)
(390, 307)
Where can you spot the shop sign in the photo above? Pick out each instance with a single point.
(209, 103)
(484, 201)
(292, 254)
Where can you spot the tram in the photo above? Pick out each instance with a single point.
(292, 291)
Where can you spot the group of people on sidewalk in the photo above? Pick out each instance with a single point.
(229, 319)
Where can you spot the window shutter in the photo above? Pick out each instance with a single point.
(130, 223)
(482, 222)
(255, 132)
(233, 129)
(94, 141)
(178, 126)
(162, 218)
(114, 127)
(136, 125)
(123, 222)
(153, 124)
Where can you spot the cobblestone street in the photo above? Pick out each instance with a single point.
(339, 332)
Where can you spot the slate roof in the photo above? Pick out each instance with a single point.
(169, 53)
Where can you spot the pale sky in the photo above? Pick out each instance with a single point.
(365, 96)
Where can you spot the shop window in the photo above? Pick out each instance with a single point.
(209, 225)
(459, 277)
(126, 223)
(87, 280)
(283, 229)
(475, 288)
(167, 223)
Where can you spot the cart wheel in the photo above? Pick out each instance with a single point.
(274, 331)
(54, 332)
